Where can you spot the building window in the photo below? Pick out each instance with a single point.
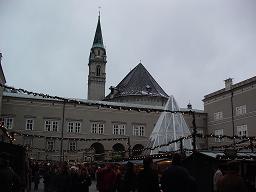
(8, 122)
(119, 129)
(55, 126)
(51, 125)
(94, 128)
(218, 116)
(241, 110)
(50, 145)
(115, 129)
(138, 130)
(200, 131)
(122, 130)
(47, 125)
(29, 124)
(70, 127)
(74, 126)
(242, 130)
(72, 145)
(101, 129)
(97, 128)
(98, 70)
(77, 127)
(218, 132)
(28, 142)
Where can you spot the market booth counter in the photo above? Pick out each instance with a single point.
(202, 166)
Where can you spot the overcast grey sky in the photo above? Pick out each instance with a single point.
(188, 46)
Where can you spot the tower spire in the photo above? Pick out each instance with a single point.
(97, 66)
(98, 40)
(99, 10)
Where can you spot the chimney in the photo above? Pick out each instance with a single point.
(113, 90)
(228, 83)
(1, 57)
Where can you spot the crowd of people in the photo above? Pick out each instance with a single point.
(109, 177)
(174, 179)
(61, 177)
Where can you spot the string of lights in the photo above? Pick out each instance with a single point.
(6, 132)
(70, 138)
(29, 148)
(93, 104)
(231, 145)
(225, 136)
(243, 139)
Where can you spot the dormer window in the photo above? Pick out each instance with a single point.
(148, 88)
(98, 70)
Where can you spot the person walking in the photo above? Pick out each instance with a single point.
(147, 180)
(106, 179)
(128, 179)
(216, 178)
(84, 180)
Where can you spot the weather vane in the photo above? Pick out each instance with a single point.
(99, 10)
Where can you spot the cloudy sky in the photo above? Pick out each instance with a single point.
(188, 46)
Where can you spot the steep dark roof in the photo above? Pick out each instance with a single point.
(138, 82)
(98, 40)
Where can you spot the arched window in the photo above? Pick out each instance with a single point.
(98, 71)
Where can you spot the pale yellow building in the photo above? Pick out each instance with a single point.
(102, 127)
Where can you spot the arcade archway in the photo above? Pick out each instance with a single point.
(118, 150)
(138, 147)
(99, 151)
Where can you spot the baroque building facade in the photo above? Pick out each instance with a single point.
(231, 111)
(87, 130)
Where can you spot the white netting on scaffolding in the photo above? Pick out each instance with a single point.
(169, 127)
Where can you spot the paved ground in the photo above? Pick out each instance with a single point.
(41, 187)
(93, 187)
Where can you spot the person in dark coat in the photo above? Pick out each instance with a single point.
(63, 179)
(106, 179)
(84, 180)
(9, 180)
(147, 180)
(176, 178)
(232, 181)
(36, 178)
(128, 179)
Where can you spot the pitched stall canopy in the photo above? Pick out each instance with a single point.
(169, 127)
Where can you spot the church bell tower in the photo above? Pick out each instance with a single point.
(97, 67)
